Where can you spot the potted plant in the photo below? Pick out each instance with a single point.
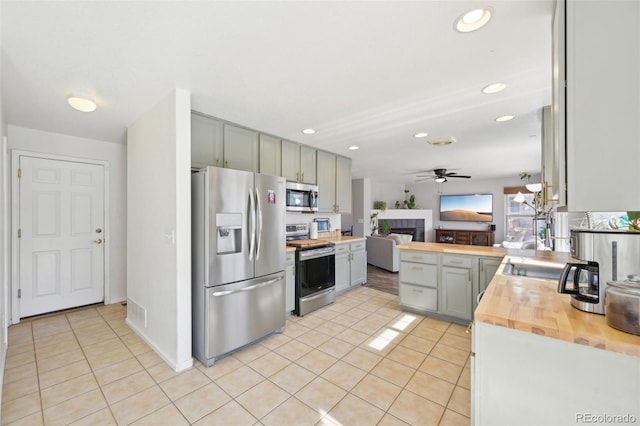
(385, 227)
(380, 205)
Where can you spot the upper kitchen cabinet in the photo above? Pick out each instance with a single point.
(270, 155)
(206, 141)
(334, 183)
(298, 162)
(602, 105)
(240, 148)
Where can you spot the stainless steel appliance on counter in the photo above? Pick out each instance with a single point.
(238, 279)
(302, 197)
(605, 255)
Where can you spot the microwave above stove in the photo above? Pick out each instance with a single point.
(301, 197)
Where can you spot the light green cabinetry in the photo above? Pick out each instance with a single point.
(290, 282)
(456, 287)
(488, 268)
(343, 185)
(298, 162)
(326, 182)
(206, 141)
(270, 155)
(350, 265)
(240, 148)
(418, 275)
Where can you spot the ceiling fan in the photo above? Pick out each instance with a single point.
(441, 175)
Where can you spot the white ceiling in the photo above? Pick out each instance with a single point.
(361, 73)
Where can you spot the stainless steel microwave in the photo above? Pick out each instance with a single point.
(302, 197)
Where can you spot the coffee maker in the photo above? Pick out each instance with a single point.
(603, 255)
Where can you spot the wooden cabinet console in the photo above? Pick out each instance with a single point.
(465, 236)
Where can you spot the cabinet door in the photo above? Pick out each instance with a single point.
(343, 184)
(290, 287)
(307, 164)
(291, 161)
(270, 155)
(358, 267)
(326, 182)
(206, 141)
(455, 292)
(240, 148)
(603, 83)
(343, 278)
(488, 268)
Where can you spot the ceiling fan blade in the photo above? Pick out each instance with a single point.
(459, 176)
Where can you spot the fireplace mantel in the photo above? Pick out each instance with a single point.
(409, 215)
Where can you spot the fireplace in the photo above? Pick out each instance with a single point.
(414, 227)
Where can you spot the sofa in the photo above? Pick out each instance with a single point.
(382, 251)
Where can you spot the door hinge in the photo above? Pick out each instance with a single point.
(19, 293)
(19, 233)
(19, 173)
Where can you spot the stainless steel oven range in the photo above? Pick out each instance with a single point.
(315, 278)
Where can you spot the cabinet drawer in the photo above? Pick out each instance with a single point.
(419, 256)
(360, 245)
(419, 297)
(341, 248)
(456, 261)
(419, 273)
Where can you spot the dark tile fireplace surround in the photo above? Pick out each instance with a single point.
(414, 227)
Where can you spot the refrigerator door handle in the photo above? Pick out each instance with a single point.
(252, 225)
(250, 288)
(259, 229)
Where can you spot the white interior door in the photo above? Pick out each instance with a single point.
(61, 237)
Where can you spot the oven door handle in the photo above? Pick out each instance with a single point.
(318, 294)
(316, 253)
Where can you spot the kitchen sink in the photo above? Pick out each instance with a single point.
(532, 269)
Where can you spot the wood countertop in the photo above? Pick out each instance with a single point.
(322, 241)
(533, 305)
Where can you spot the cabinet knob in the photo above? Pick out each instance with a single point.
(226, 163)
(303, 177)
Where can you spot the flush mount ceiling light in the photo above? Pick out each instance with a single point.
(505, 118)
(354, 147)
(308, 131)
(81, 103)
(445, 140)
(440, 179)
(473, 20)
(421, 135)
(494, 88)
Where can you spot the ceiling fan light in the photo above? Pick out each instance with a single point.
(534, 187)
(440, 179)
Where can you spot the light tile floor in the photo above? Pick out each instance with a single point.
(359, 361)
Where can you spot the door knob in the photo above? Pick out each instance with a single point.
(98, 241)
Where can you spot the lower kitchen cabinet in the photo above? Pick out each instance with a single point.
(488, 268)
(418, 287)
(358, 261)
(351, 265)
(290, 282)
(456, 290)
(343, 273)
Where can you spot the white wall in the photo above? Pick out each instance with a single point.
(25, 139)
(159, 228)
(389, 192)
(4, 244)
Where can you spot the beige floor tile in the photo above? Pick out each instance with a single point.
(275, 340)
(53, 339)
(324, 314)
(362, 359)
(75, 408)
(371, 324)
(19, 388)
(20, 334)
(380, 344)
(460, 401)
(358, 313)
(407, 356)
(338, 307)
(19, 360)
(465, 378)
(20, 348)
(91, 336)
(344, 375)
(311, 321)
(186, 382)
(336, 348)
(168, 415)
(109, 357)
(149, 359)
(269, 364)
(20, 407)
(117, 371)
(250, 353)
(61, 360)
(389, 420)
(19, 373)
(231, 413)
(393, 372)
(161, 372)
(352, 411)
(48, 326)
(316, 361)
(293, 378)
(103, 346)
(262, 399)
(101, 417)
(455, 341)
(34, 419)
(427, 332)
(67, 390)
(451, 418)
(64, 373)
(239, 381)
(127, 386)
(139, 405)
(201, 402)
(293, 350)
(352, 336)
(448, 353)
(56, 349)
(418, 344)
(430, 387)
(416, 410)
(221, 368)
(436, 324)
(391, 314)
(331, 328)
(320, 394)
(441, 369)
(291, 412)
(377, 391)
(313, 338)
(294, 330)
(345, 320)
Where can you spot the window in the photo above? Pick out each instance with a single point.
(519, 218)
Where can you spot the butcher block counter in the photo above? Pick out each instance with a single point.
(455, 249)
(322, 240)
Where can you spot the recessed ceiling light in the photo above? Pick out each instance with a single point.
(354, 147)
(445, 140)
(81, 103)
(473, 20)
(421, 135)
(308, 131)
(504, 118)
(494, 88)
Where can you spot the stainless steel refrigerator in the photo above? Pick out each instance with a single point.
(238, 255)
